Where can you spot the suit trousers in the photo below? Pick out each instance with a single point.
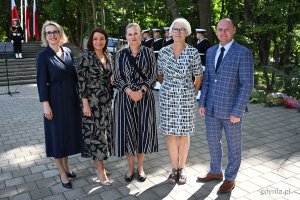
(233, 133)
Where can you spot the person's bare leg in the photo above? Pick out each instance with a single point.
(65, 161)
(173, 150)
(173, 154)
(184, 146)
(130, 165)
(140, 159)
(60, 166)
(101, 172)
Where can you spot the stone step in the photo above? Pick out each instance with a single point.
(15, 70)
(13, 60)
(18, 82)
(21, 77)
(23, 71)
(17, 73)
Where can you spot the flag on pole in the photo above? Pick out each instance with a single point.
(27, 19)
(35, 22)
(14, 11)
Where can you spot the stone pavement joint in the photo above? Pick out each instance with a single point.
(270, 166)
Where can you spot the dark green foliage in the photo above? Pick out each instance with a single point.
(270, 28)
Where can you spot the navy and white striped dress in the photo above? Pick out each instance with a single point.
(177, 95)
(134, 128)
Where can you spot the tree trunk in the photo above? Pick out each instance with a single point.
(87, 14)
(204, 17)
(102, 14)
(94, 13)
(248, 16)
(263, 52)
(222, 9)
(173, 6)
(288, 45)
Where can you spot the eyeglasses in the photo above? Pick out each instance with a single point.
(178, 30)
(48, 33)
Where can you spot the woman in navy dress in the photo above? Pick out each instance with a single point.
(135, 131)
(56, 81)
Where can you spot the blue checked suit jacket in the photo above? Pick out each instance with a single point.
(227, 91)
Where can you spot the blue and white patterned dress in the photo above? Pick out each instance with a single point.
(177, 96)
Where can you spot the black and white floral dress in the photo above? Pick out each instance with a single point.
(177, 97)
(95, 85)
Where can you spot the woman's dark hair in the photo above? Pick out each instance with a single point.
(90, 41)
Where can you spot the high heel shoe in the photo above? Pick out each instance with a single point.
(105, 183)
(71, 175)
(129, 178)
(66, 185)
(142, 178)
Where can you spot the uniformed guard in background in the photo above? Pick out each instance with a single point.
(168, 39)
(17, 38)
(147, 39)
(202, 44)
(158, 41)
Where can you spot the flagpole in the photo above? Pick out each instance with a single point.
(26, 39)
(21, 21)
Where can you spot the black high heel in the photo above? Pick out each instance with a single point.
(142, 178)
(129, 178)
(66, 185)
(71, 175)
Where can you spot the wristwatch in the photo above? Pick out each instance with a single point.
(143, 91)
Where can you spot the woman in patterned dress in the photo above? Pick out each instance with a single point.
(177, 64)
(135, 131)
(94, 80)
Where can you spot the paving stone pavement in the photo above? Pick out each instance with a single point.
(270, 167)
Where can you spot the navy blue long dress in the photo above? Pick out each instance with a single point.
(56, 81)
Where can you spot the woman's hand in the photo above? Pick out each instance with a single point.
(47, 110)
(86, 110)
(136, 95)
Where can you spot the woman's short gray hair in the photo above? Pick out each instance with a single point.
(184, 23)
(63, 37)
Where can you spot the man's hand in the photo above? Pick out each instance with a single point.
(234, 119)
(202, 111)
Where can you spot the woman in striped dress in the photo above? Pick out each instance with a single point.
(135, 131)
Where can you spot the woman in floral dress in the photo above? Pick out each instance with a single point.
(95, 89)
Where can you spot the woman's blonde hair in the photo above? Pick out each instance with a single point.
(133, 25)
(63, 37)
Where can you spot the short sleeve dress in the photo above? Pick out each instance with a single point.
(177, 95)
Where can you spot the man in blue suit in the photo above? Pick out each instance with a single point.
(226, 89)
